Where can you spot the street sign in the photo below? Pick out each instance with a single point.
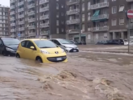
(130, 14)
(19, 35)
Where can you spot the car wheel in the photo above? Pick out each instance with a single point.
(38, 59)
(17, 55)
(5, 53)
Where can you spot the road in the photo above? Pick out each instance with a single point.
(86, 76)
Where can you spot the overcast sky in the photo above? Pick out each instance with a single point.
(5, 2)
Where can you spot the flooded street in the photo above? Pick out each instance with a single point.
(86, 76)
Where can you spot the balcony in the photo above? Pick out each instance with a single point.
(12, 24)
(73, 11)
(97, 29)
(31, 27)
(100, 17)
(12, 18)
(44, 17)
(21, 29)
(20, 9)
(44, 32)
(31, 13)
(12, 1)
(71, 2)
(31, 34)
(20, 3)
(129, 0)
(20, 22)
(12, 30)
(31, 6)
(44, 9)
(100, 5)
(43, 1)
(44, 25)
(73, 21)
(31, 19)
(73, 31)
(12, 13)
(21, 16)
(13, 7)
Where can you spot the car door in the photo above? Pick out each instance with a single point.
(30, 53)
(1, 46)
(21, 49)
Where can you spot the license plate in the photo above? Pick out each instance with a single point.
(58, 59)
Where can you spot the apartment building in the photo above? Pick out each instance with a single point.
(38, 18)
(97, 19)
(4, 21)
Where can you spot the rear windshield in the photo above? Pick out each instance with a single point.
(11, 41)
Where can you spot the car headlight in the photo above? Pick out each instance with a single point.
(63, 50)
(44, 52)
(9, 49)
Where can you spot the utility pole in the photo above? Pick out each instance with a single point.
(80, 19)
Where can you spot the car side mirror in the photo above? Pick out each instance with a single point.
(32, 47)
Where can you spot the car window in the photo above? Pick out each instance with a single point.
(0, 43)
(10, 41)
(64, 41)
(29, 44)
(23, 43)
(56, 42)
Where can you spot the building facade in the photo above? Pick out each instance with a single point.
(37, 18)
(98, 20)
(4, 21)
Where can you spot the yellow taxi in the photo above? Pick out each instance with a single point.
(41, 50)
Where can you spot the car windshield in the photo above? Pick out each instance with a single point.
(63, 41)
(45, 44)
(11, 41)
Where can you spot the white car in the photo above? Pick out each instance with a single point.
(126, 42)
(67, 45)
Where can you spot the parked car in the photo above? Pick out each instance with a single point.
(102, 42)
(126, 42)
(67, 45)
(74, 42)
(115, 42)
(8, 46)
(41, 50)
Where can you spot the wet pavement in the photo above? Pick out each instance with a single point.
(86, 76)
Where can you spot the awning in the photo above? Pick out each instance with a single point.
(96, 13)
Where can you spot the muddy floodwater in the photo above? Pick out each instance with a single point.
(86, 76)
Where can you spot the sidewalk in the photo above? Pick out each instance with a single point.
(105, 48)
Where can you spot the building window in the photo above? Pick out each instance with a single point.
(114, 10)
(83, 7)
(121, 21)
(114, 22)
(57, 15)
(83, 27)
(89, 5)
(57, 22)
(57, 30)
(89, 16)
(83, 17)
(121, 8)
(57, 6)
(131, 6)
(62, 30)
